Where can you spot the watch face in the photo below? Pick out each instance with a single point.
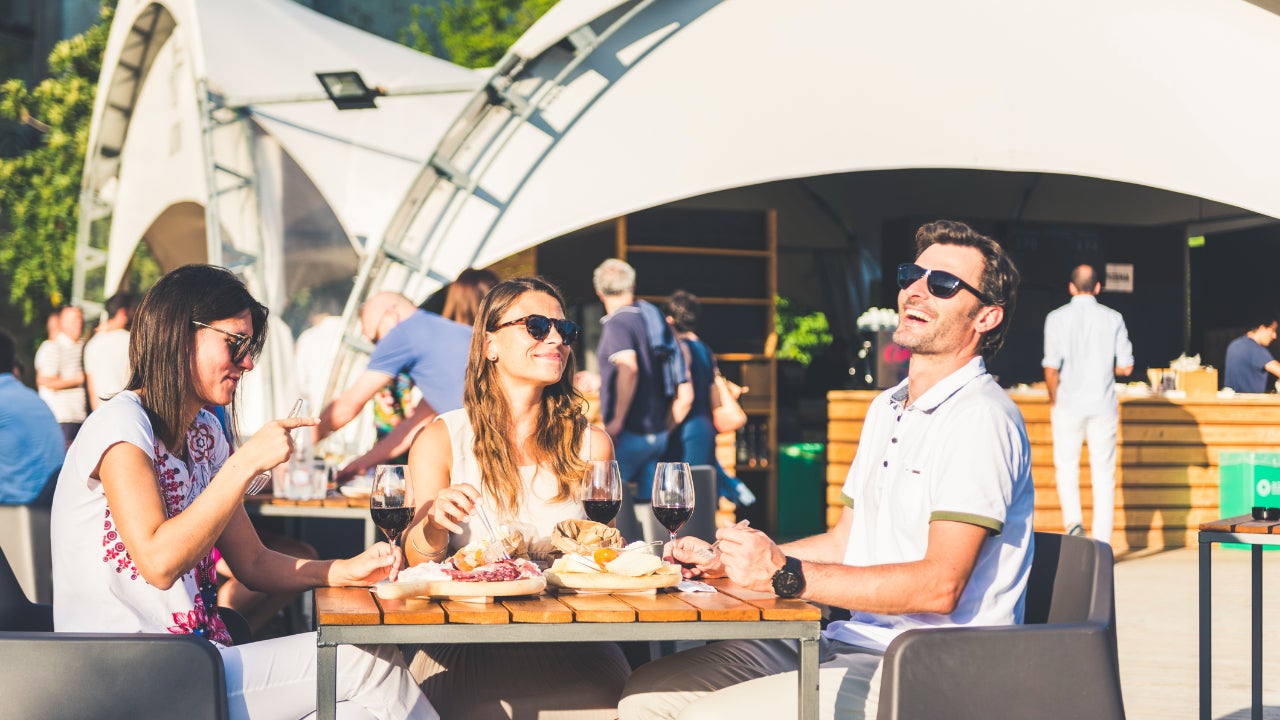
(786, 583)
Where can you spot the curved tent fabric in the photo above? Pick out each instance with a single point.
(214, 108)
(696, 96)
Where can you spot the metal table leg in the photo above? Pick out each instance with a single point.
(1206, 636)
(1256, 562)
(808, 679)
(327, 682)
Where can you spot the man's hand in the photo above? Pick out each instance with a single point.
(695, 557)
(749, 557)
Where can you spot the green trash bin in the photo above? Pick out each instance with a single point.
(1246, 480)
(802, 497)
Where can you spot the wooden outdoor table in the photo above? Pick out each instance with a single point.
(333, 507)
(357, 616)
(1256, 534)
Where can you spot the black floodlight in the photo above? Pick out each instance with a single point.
(347, 90)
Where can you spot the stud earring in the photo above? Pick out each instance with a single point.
(493, 358)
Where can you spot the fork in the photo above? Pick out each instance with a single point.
(261, 479)
(493, 536)
(709, 552)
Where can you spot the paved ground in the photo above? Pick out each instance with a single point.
(1157, 609)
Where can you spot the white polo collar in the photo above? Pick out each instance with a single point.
(945, 388)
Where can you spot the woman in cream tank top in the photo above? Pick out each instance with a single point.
(518, 450)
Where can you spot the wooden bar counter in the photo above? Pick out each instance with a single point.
(1166, 459)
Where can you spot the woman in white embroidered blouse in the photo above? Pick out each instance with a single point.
(150, 487)
(519, 448)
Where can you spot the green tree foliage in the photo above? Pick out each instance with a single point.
(471, 33)
(801, 335)
(40, 188)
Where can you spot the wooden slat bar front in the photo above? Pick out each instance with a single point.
(1167, 460)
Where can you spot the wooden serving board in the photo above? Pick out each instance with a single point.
(454, 590)
(669, 576)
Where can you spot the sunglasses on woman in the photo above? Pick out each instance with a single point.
(941, 283)
(539, 326)
(238, 343)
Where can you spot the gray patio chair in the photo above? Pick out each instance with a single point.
(24, 537)
(94, 676)
(702, 523)
(1061, 663)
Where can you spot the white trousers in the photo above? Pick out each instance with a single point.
(277, 679)
(1100, 431)
(752, 679)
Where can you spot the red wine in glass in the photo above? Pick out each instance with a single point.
(392, 521)
(602, 490)
(673, 499)
(602, 511)
(391, 500)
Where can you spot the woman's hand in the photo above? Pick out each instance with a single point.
(453, 505)
(378, 562)
(271, 445)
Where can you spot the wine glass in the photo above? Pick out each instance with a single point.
(602, 490)
(391, 500)
(673, 495)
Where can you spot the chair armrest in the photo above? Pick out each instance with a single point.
(92, 675)
(1022, 671)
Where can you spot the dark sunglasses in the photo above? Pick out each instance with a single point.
(539, 326)
(238, 343)
(941, 283)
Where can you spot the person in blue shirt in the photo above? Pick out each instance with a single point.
(429, 348)
(1249, 360)
(31, 445)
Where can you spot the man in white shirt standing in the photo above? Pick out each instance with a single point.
(60, 372)
(106, 354)
(1086, 346)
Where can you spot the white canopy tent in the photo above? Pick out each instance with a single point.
(213, 141)
(608, 107)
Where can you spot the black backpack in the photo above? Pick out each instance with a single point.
(669, 361)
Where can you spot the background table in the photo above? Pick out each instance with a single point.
(1256, 534)
(334, 507)
(356, 616)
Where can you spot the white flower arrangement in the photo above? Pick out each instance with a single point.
(878, 319)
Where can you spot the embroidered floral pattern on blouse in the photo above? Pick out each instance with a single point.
(186, 623)
(200, 442)
(115, 550)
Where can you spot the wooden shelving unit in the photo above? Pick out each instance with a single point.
(728, 258)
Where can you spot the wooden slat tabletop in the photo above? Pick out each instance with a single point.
(598, 608)
(346, 606)
(720, 607)
(1242, 524)
(771, 606)
(472, 613)
(411, 611)
(659, 607)
(357, 606)
(540, 609)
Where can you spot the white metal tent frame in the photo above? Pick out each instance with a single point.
(465, 206)
(241, 119)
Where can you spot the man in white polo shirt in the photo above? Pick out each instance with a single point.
(937, 525)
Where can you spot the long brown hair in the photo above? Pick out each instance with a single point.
(162, 342)
(462, 302)
(561, 421)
